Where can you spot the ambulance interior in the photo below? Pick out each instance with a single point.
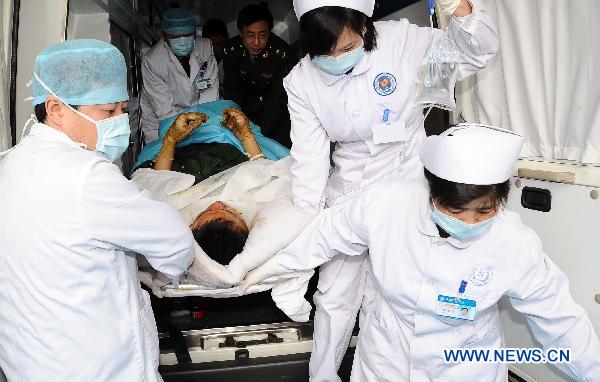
(225, 339)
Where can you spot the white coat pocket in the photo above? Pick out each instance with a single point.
(380, 356)
(150, 330)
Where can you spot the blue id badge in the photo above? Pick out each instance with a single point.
(453, 307)
(203, 83)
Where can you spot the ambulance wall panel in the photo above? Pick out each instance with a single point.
(42, 23)
(569, 234)
(88, 25)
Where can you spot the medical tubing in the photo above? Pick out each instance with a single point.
(407, 146)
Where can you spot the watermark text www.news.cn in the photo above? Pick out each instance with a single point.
(508, 355)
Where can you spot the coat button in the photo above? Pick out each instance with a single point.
(430, 282)
(356, 114)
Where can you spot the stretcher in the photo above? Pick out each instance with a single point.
(278, 351)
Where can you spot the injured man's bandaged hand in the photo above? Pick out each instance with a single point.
(276, 225)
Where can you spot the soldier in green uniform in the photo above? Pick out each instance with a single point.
(255, 64)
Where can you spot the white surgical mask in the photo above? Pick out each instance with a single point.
(32, 119)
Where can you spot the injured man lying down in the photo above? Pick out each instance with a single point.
(240, 217)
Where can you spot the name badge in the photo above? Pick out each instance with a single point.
(453, 307)
(203, 83)
(389, 132)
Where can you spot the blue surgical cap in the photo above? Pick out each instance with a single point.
(177, 22)
(81, 72)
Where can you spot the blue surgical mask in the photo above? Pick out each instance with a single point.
(113, 135)
(340, 64)
(459, 229)
(182, 46)
(113, 132)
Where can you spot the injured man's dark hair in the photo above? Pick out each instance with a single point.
(221, 232)
(221, 240)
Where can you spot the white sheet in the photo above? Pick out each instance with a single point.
(286, 291)
(261, 191)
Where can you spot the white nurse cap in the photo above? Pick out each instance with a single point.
(472, 154)
(364, 6)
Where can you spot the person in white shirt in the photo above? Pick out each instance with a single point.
(178, 72)
(437, 249)
(357, 87)
(71, 306)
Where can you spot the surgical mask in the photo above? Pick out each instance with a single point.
(113, 132)
(113, 135)
(340, 64)
(459, 229)
(32, 119)
(182, 46)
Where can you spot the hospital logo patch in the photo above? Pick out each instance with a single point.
(385, 84)
(481, 274)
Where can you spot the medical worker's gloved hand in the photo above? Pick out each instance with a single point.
(237, 269)
(270, 268)
(183, 126)
(237, 122)
(448, 6)
(154, 281)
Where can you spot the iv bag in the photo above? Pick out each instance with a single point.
(437, 75)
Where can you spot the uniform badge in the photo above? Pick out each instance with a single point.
(385, 84)
(481, 274)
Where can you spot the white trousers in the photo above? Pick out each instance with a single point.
(343, 287)
(345, 284)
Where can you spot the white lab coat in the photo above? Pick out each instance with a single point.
(403, 338)
(71, 306)
(167, 87)
(343, 109)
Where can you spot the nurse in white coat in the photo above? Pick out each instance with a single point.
(357, 87)
(71, 306)
(442, 255)
(178, 72)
